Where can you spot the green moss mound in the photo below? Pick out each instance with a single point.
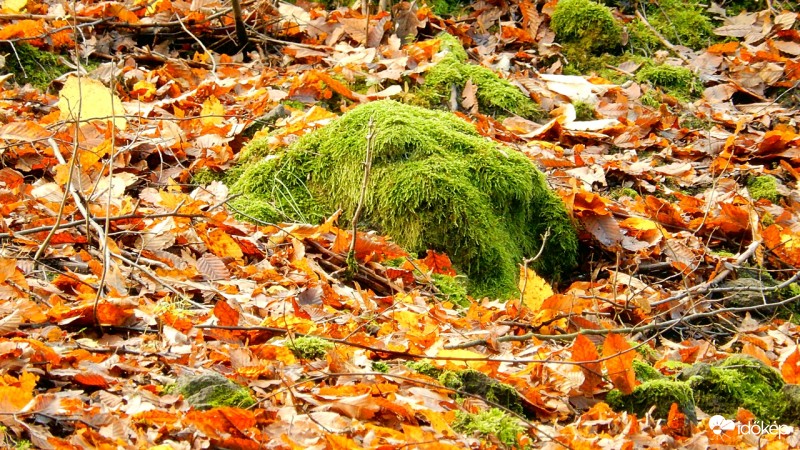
(585, 28)
(681, 22)
(677, 81)
(764, 187)
(480, 384)
(496, 96)
(661, 393)
(34, 66)
(306, 347)
(738, 381)
(212, 390)
(435, 184)
(493, 421)
(645, 372)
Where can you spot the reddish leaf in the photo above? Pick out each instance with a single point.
(619, 362)
(584, 351)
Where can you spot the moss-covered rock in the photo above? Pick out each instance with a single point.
(34, 66)
(764, 187)
(676, 81)
(493, 421)
(738, 381)
(435, 184)
(212, 390)
(645, 372)
(480, 384)
(308, 347)
(584, 29)
(658, 393)
(496, 96)
(425, 368)
(791, 394)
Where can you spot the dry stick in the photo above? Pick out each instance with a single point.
(661, 38)
(352, 264)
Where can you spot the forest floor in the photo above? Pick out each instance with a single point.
(125, 277)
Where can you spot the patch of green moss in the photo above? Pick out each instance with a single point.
(681, 22)
(738, 381)
(659, 393)
(679, 82)
(451, 289)
(34, 66)
(494, 422)
(480, 384)
(791, 395)
(616, 194)
(764, 187)
(584, 29)
(446, 7)
(435, 184)
(212, 390)
(205, 176)
(380, 366)
(583, 110)
(496, 96)
(645, 372)
(309, 347)
(425, 368)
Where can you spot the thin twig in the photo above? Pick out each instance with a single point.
(661, 38)
(352, 264)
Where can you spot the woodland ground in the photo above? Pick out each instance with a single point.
(138, 309)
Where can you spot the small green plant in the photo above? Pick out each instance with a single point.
(493, 421)
(309, 347)
(380, 366)
(452, 289)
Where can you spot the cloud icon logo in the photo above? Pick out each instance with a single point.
(718, 424)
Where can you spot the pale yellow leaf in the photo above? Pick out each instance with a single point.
(534, 289)
(85, 99)
(14, 6)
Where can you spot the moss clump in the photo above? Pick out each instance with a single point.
(584, 111)
(791, 394)
(661, 393)
(435, 184)
(645, 372)
(380, 366)
(496, 96)
(764, 187)
(490, 422)
(309, 347)
(738, 381)
(212, 390)
(425, 368)
(681, 22)
(584, 28)
(451, 289)
(477, 383)
(34, 66)
(617, 194)
(677, 81)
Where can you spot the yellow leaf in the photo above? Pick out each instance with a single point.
(86, 99)
(461, 353)
(213, 112)
(14, 6)
(534, 289)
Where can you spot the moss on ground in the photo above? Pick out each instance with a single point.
(451, 289)
(425, 368)
(309, 347)
(504, 427)
(764, 187)
(738, 381)
(435, 184)
(34, 66)
(679, 82)
(584, 29)
(480, 384)
(645, 372)
(496, 96)
(212, 390)
(659, 393)
(681, 22)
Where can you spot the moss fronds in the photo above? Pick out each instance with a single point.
(34, 66)
(678, 81)
(212, 390)
(496, 96)
(587, 23)
(490, 422)
(661, 393)
(306, 347)
(435, 184)
(764, 187)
